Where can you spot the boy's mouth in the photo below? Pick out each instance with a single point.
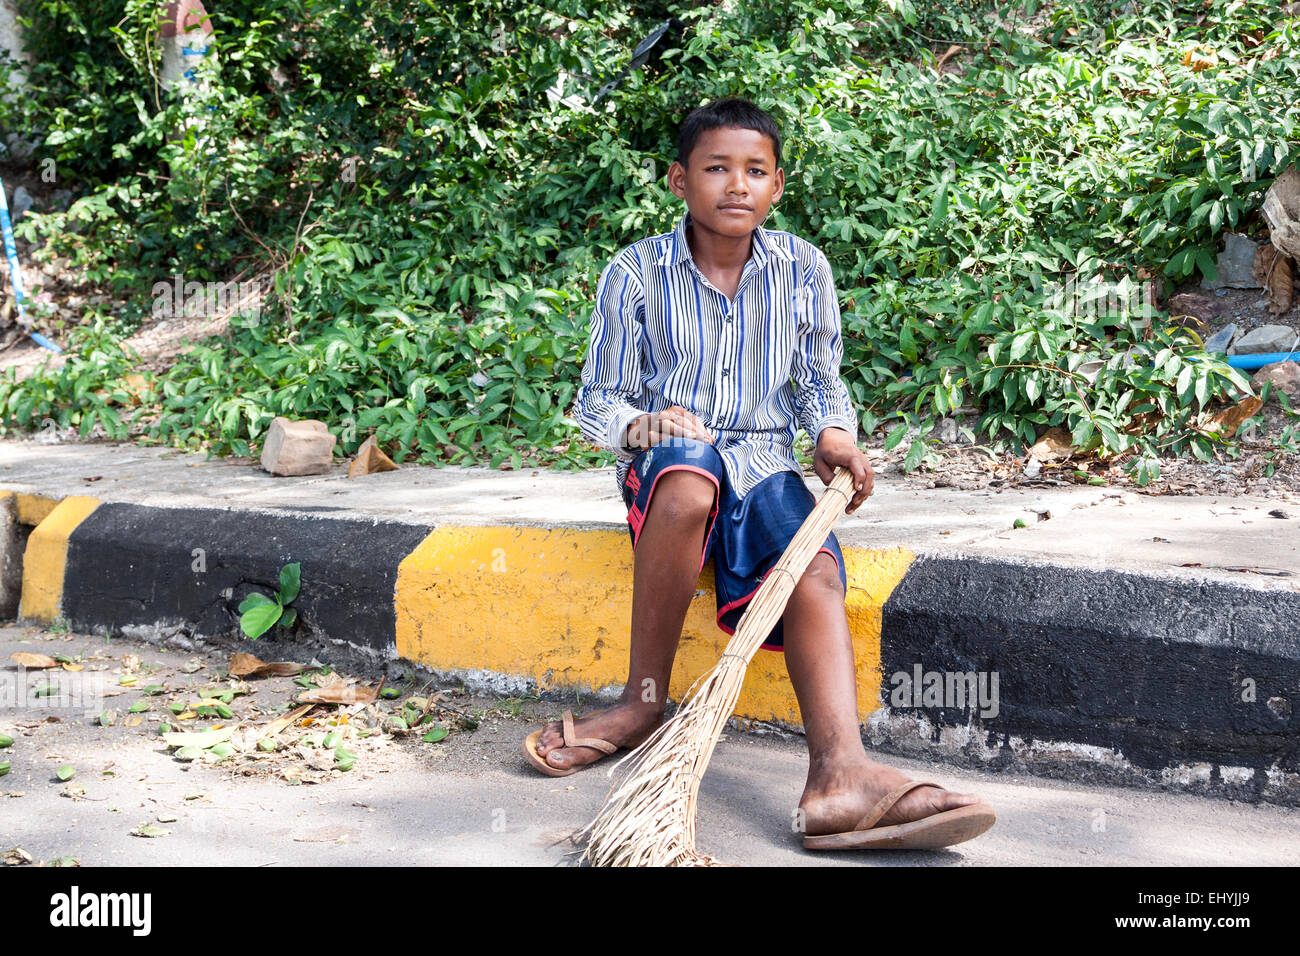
(736, 208)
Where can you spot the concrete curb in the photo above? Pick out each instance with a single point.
(1005, 662)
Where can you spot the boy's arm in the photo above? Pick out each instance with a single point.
(611, 376)
(821, 399)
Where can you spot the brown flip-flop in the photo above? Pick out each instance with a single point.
(538, 761)
(928, 833)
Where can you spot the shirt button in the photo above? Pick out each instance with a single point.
(726, 371)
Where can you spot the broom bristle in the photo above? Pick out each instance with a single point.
(649, 818)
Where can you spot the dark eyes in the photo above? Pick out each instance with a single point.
(754, 169)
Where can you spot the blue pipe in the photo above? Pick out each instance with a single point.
(1259, 361)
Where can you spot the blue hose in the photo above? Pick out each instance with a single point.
(1259, 361)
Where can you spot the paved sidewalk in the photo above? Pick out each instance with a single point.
(472, 800)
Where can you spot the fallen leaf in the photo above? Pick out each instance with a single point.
(326, 835)
(280, 723)
(340, 693)
(433, 736)
(147, 830)
(61, 861)
(65, 773)
(16, 857)
(1227, 421)
(200, 739)
(71, 667)
(1200, 58)
(34, 661)
(133, 721)
(1055, 444)
(246, 665)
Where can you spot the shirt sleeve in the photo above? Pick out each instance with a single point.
(821, 398)
(608, 397)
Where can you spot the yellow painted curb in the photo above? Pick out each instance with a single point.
(45, 560)
(555, 605)
(28, 508)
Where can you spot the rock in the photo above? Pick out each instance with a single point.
(1195, 304)
(22, 202)
(1222, 339)
(61, 199)
(1284, 376)
(947, 430)
(1282, 212)
(298, 447)
(1236, 264)
(1266, 338)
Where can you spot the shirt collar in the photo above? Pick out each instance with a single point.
(680, 251)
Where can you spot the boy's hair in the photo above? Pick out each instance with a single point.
(726, 113)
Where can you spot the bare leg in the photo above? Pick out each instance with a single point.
(843, 782)
(666, 569)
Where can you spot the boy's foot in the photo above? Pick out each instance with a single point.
(840, 796)
(623, 725)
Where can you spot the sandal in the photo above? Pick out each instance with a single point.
(928, 833)
(538, 761)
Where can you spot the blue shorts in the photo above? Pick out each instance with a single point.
(745, 537)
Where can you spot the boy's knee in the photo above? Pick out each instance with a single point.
(822, 578)
(683, 496)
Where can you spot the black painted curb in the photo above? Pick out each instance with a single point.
(1163, 671)
(133, 565)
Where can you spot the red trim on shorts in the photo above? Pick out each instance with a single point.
(637, 519)
(743, 600)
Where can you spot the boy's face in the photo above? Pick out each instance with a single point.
(730, 181)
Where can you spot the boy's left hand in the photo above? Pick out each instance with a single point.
(835, 447)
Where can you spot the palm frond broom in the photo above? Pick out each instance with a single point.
(648, 819)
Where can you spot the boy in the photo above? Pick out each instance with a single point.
(695, 338)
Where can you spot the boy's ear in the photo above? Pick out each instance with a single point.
(676, 176)
(779, 189)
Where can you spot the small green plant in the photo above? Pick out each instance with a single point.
(258, 613)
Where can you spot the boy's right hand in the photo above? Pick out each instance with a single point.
(673, 421)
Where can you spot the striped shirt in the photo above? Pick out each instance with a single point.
(752, 369)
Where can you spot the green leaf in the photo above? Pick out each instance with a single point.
(6, 741)
(436, 734)
(895, 437)
(66, 772)
(258, 620)
(256, 599)
(290, 580)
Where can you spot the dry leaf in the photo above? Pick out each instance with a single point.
(370, 459)
(280, 723)
(34, 661)
(1281, 287)
(340, 693)
(1055, 444)
(1200, 58)
(952, 51)
(1229, 420)
(246, 665)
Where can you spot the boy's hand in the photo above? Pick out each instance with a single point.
(673, 421)
(835, 447)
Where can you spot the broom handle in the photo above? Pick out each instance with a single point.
(757, 621)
